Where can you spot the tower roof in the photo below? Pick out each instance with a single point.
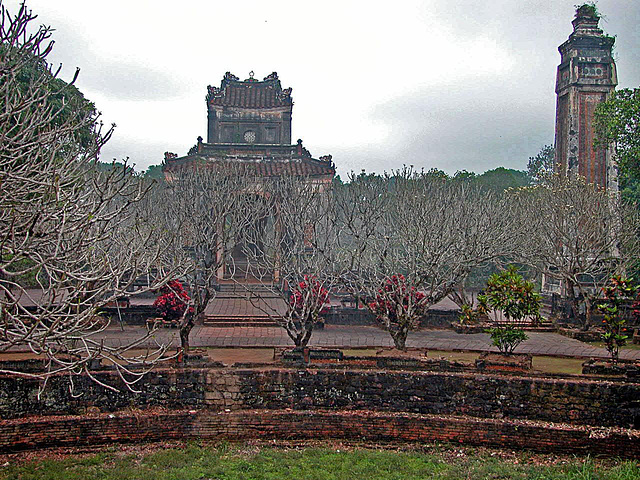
(249, 93)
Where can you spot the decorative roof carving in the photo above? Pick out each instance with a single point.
(249, 93)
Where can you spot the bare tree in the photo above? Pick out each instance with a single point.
(74, 233)
(290, 247)
(205, 206)
(409, 239)
(578, 235)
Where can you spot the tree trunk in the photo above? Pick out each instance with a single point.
(185, 330)
(306, 337)
(575, 304)
(189, 320)
(301, 339)
(588, 312)
(615, 352)
(400, 338)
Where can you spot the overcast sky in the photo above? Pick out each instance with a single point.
(451, 84)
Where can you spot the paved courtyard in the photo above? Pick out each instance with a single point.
(364, 336)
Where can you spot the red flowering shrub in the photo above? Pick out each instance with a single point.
(309, 296)
(399, 307)
(307, 301)
(396, 297)
(172, 301)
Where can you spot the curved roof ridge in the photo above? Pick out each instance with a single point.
(249, 93)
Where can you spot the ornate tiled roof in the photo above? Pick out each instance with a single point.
(267, 160)
(303, 167)
(250, 93)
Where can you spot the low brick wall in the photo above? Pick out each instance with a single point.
(519, 397)
(574, 400)
(295, 425)
(131, 315)
(434, 318)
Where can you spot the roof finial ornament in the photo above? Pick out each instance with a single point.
(251, 74)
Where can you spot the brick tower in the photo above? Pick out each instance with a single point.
(586, 77)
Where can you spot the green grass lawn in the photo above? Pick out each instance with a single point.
(548, 364)
(251, 462)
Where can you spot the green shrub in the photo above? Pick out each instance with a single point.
(508, 292)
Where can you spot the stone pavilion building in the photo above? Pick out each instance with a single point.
(249, 121)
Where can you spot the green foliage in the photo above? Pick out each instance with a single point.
(509, 293)
(464, 175)
(619, 292)
(541, 166)
(630, 189)
(436, 173)
(588, 9)
(61, 97)
(506, 338)
(114, 166)
(26, 271)
(468, 315)
(500, 179)
(154, 172)
(617, 123)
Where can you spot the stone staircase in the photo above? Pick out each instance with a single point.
(244, 305)
(529, 326)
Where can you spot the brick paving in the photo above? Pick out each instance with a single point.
(539, 343)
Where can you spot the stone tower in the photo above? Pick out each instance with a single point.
(586, 76)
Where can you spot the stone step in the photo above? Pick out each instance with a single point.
(243, 290)
(234, 321)
(529, 327)
(240, 324)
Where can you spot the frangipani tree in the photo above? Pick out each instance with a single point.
(290, 253)
(578, 235)
(426, 232)
(618, 294)
(72, 236)
(398, 306)
(204, 207)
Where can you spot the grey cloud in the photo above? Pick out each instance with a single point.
(463, 127)
(127, 81)
(116, 77)
(140, 153)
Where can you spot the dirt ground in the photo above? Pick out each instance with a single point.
(232, 355)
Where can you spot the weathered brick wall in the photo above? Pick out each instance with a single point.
(555, 400)
(292, 425)
(575, 401)
(354, 316)
(172, 388)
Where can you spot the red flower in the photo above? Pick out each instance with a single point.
(172, 301)
(311, 294)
